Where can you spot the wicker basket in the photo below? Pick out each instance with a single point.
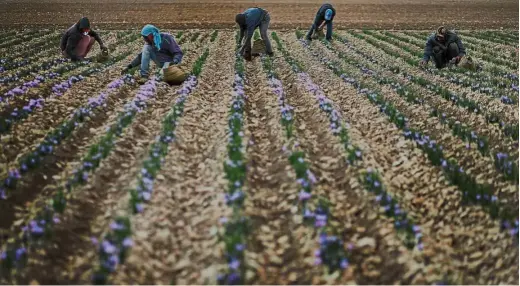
(174, 75)
(318, 34)
(258, 47)
(102, 57)
(467, 63)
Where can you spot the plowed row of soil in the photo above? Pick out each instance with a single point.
(175, 237)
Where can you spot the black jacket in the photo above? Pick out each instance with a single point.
(72, 36)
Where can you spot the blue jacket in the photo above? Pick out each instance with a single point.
(169, 52)
(451, 37)
(254, 17)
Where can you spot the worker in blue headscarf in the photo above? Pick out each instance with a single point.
(324, 16)
(159, 47)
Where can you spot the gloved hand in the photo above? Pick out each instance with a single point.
(126, 69)
(175, 62)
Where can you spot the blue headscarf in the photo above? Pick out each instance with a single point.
(328, 14)
(151, 29)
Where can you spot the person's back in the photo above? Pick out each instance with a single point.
(170, 50)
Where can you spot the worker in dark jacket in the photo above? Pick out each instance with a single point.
(325, 15)
(77, 41)
(444, 47)
(159, 47)
(248, 21)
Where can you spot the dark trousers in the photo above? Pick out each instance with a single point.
(317, 22)
(264, 25)
(441, 56)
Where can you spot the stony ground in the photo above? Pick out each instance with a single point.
(340, 156)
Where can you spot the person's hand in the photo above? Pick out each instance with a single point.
(125, 70)
(422, 63)
(176, 61)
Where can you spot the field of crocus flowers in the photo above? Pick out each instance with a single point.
(337, 162)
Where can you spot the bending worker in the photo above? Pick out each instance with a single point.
(444, 47)
(324, 16)
(248, 21)
(159, 47)
(77, 41)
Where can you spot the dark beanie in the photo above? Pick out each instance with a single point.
(84, 23)
(240, 19)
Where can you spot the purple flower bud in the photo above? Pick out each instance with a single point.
(317, 261)
(128, 242)
(234, 264)
(304, 196)
(344, 263)
(108, 247)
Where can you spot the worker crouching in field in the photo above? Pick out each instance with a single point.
(248, 21)
(325, 15)
(159, 47)
(444, 47)
(77, 41)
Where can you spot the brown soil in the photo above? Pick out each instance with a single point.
(374, 14)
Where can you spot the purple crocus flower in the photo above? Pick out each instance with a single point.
(128, 242)
(234, 264)
(108, 247)
(304, 195)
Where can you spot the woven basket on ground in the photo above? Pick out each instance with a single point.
(174, 75)
(258, 47)
(102, 57)
(318, 34)
(467, 63)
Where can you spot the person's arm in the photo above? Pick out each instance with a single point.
(250, 33)
(63, 42)
(96, 36)
(242, 33)
(71, 47)
(136, 62)
(428, 49)
(175, 50)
